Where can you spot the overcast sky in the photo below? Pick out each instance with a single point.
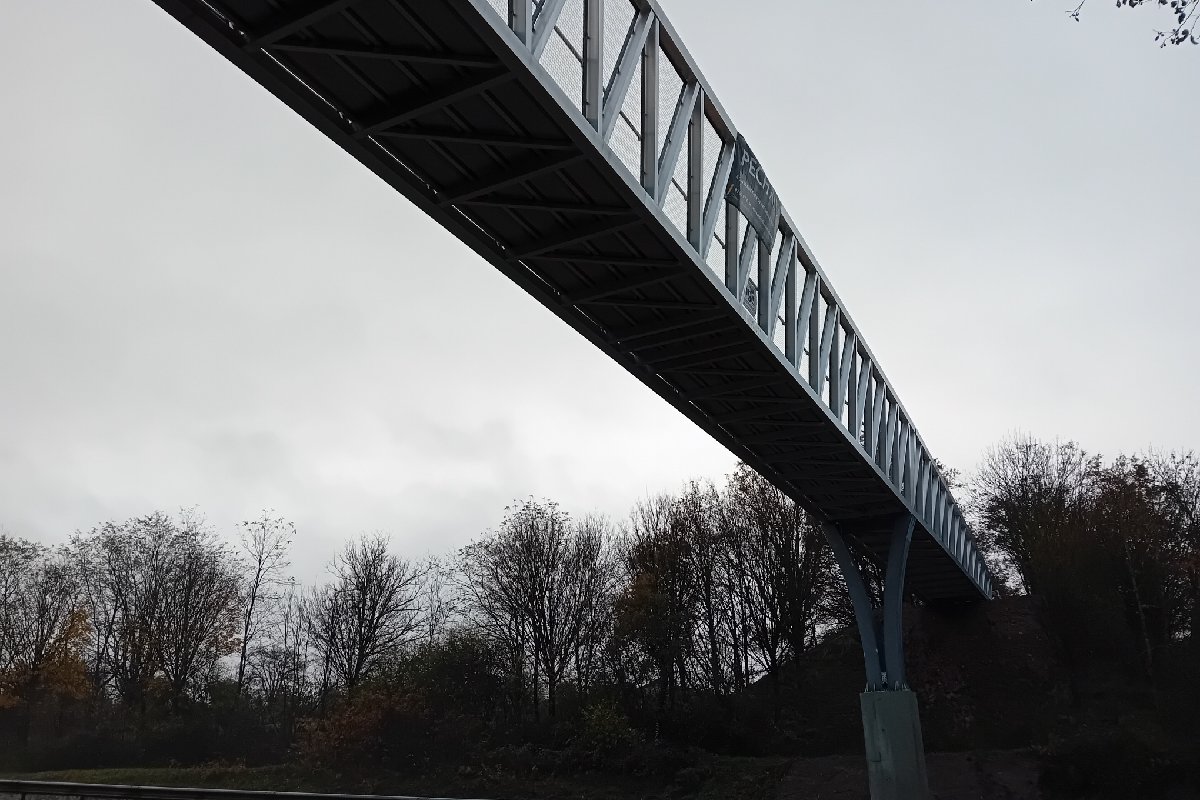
(203, 302)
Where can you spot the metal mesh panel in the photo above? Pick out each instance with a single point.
(675, 203)
(741, 237)
(626, 140)
(679, 186)
(750, 295)
(802, 341)
(627, 147)
(570, 24)
(670, 86)
(709, 156)
(776, 246)
(779, 334)
(501, 8)
(618, 14)
(563, 57)
(777, 311)
(716, 251)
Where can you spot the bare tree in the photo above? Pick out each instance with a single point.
(1179, 476)
(1026, 493)
(197, 619)
(369, 613)
(279, 674)
(42, 625)
(124, 566)
(535, 582)
(265, 543)
(162, 596)
(784, 570)
(596, 569)
(699, 516)
(657, 608)
(438, 602)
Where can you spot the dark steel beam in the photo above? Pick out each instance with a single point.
(475, 137)
(756, 414)
(664, 326)
(575, 234)
(663, 304)
(287, 24)
(763, 398)
(507, 176)
(663, 339)
(731, 373)
(706, 345)
(610, 260)
(782, 439)
(836, 466)
(726, 351)
(408, 56)
(730, 387)
(618, 286)
(550, 206)
(421, 103)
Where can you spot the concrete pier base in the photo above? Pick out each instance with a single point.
(895, 752)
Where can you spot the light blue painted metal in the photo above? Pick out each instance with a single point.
(893, 602)
(864, 613)
(900, 443)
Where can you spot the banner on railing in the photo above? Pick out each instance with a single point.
(751, 193)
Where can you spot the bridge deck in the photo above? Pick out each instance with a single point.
(576, 147)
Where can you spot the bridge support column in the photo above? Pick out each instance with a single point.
(891, 721)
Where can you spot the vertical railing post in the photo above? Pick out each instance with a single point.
(695, 167)
(732, 250)
(805, 312)
(789, 310)
(593, 60)
(520, 19)
(764, 284)
(814, 337)
(650, 111)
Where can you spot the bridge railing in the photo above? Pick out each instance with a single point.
(629, 75)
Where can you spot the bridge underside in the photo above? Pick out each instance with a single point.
(451, 115)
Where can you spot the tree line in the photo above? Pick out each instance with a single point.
(156, 639)
(158, 618)
(1111, 549)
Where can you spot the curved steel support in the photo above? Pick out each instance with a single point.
(893, 602)
(883, 645)
(864, 614)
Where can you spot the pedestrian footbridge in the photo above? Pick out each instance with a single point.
(576, 146)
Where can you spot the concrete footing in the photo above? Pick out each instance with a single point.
(895, 752)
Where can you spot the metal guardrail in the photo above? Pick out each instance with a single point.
(784, 290)
(32, 790)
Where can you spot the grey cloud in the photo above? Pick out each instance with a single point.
(204, 302)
